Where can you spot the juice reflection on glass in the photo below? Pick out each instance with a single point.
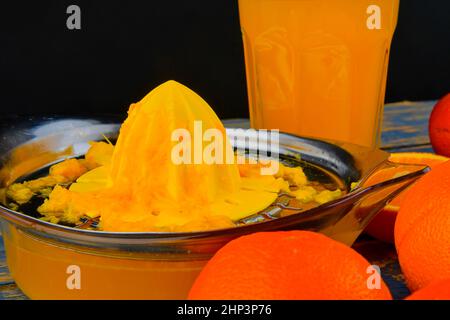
(318, 67)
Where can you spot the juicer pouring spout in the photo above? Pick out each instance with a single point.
(371, 194)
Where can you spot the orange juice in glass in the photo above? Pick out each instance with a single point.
(318, 67)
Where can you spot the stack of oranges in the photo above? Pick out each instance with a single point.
(422, 229)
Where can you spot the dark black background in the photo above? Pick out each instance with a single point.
(125, 48)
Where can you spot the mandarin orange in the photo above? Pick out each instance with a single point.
(422, 229)
(438, 290)
(439, 126)
(287, 265)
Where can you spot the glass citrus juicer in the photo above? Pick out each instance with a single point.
(42, 255)
(164, 265)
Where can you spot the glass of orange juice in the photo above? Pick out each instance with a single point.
(318, 67)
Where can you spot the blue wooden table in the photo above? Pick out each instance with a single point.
(405, 128)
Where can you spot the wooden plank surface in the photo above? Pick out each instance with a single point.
(405, 128)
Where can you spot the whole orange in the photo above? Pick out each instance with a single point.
(286, 265)
(422, 229)
(439, 126)
(438, 290)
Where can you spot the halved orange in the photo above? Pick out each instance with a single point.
(382, 226)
